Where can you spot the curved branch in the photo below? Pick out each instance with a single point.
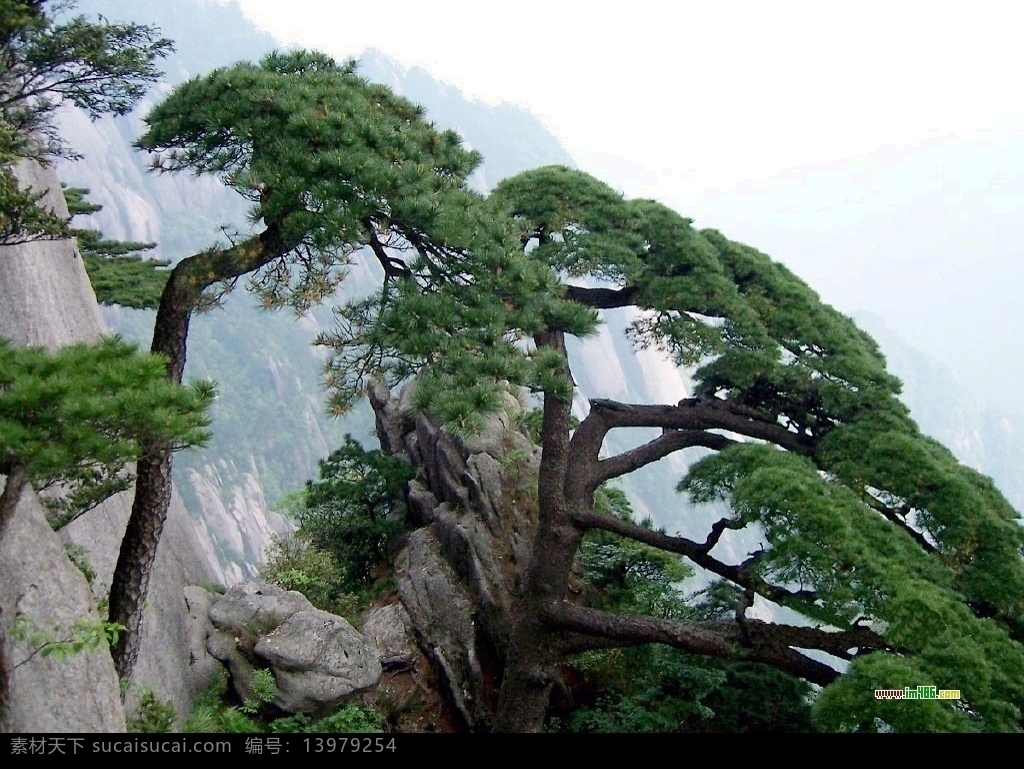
(393, 268)
(698, 553)
(665, 444)
(602, 298)
(702, 414)
(190, 277)
(718, 528)
(894, 516)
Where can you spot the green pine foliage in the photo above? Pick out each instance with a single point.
(656, 688)
(75, 417)
(119, 274)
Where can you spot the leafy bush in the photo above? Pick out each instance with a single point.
(352, 718)
(262, 690)
(346, 522)
(296, 564)
(354, 509)
(152, 715)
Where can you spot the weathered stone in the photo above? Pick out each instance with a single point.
(388, 629)
(319, 660)
(39, 585)
(46, 299)
(250, 610)
(474, 502)
(203, 668)
(442, 610)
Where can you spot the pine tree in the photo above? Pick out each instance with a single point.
(117, 270)
(331, 163)
(905, 566)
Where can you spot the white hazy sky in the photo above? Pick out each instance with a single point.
(674, 100)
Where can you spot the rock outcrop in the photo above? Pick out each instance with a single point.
(44, 597)
(473, 505)
(318, 660)
(46, 299)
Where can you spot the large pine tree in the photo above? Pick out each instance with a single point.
(905, 566)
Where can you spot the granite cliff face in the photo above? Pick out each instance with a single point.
(472, 512)
(46, 299)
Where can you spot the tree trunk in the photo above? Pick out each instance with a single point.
(130, 583)
(533, 658)
(179, 299)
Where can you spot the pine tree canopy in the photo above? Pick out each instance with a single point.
(76, 417)
(865, 522)
(117, 271)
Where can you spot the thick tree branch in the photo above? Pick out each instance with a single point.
(718, 528)
(393, 268)
(701, 414)
(761, 641)
(665, 444)
(602, 298)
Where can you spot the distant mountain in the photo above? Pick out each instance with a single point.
(980, 434)
(930, 237)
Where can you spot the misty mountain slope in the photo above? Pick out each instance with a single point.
(980, 434)
(929, 237)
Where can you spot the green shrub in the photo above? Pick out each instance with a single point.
(351, 718)
(262, 690)
(151, 714)
(346, 522)
(296, 564)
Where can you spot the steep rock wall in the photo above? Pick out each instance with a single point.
(46, 299)
(473, 506)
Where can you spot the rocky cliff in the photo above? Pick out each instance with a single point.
(46, 299)
(472, 510)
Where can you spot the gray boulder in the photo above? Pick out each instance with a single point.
(318, 659)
